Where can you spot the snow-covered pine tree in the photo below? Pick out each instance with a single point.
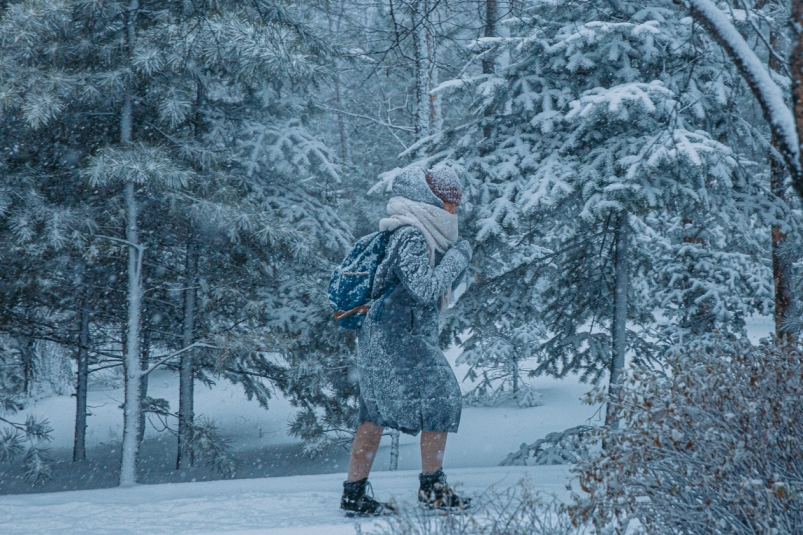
(598, 112)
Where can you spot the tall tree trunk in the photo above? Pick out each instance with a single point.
(186, 414)
(79, 445)
(420, 65)
(619, 334)
(131, 360)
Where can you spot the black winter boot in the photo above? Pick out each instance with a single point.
(435, 493)
(356, 502)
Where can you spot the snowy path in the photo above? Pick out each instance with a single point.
(298, 505)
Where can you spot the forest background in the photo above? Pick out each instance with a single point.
(180, 177)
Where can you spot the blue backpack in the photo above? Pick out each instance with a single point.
(352, 281)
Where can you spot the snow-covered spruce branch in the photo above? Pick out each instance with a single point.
(755, 73)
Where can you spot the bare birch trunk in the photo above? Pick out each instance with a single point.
(619, 330)
(186, 414)
(82, 376)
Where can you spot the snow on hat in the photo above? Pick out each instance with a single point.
(412, 184)
(444, 184)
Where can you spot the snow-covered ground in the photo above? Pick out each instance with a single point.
(277, 499)
(298, 505)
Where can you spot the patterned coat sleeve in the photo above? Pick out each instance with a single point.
(425, 283)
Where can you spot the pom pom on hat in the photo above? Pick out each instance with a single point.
(444, 184)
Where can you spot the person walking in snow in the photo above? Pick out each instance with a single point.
(406, 382)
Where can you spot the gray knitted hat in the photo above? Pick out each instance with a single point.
(412, 184)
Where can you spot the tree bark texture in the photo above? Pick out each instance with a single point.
(619, 330)
(186, 411)
(82, 379)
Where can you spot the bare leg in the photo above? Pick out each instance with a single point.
(363, 450)
(433, 444)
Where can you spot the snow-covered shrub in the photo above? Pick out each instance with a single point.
(54, 375)
(715, 446)
(487, 394)
(28, 439)
(11, 379)
(561, 447)
(516, 511)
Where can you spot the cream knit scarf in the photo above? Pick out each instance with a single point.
(438, 226)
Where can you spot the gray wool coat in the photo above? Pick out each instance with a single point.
(406, 382)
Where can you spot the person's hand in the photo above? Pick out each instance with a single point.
(464, 248)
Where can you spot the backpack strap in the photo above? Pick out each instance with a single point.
(363, 309)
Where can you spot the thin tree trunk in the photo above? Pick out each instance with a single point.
(131, 359)
(435, 111)
(144, 362)
(782, 270)
(341, 126)
(619, 323)
(28, 364)
(133, 372)
(79, 445)
(796, 58)
(186, 414)
(491, 15)
(488, 61)
(394, 450)
(420, 59)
